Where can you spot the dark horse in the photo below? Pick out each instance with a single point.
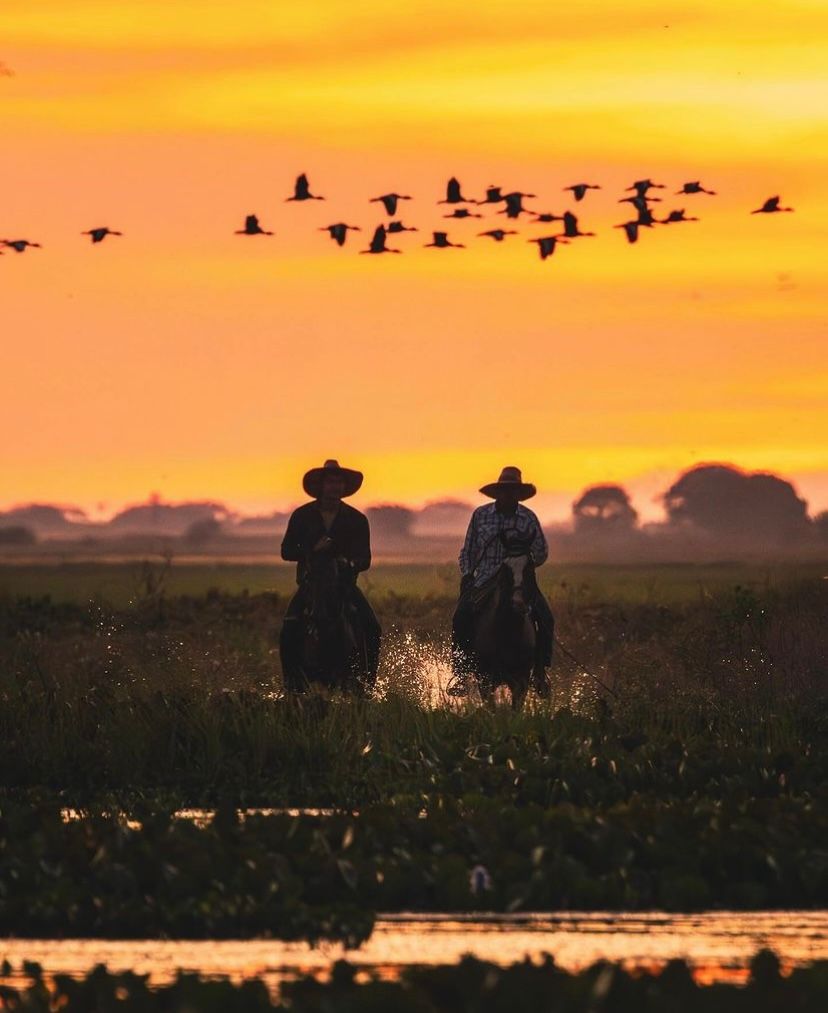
(504, 641)
(330, 645)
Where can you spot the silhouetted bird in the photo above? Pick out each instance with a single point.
(571, 230)
(98, 235)
(19, 245)
(514, 204)
(631, 230)
(770, 205)
(399, 227)
(453, 194)
(547, 216)
(641, 186)
(580, 189)
(252, 228)
(546, 245)
(695, 187)
(641, 204)
(441, 241)
(493, 196)
(378, 243)
(462, 213)
(339, 231)
(498, 234)
(301, 190)
(390, 201)
(677, 216)
(639, 201)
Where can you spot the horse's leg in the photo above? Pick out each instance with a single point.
(519, 687)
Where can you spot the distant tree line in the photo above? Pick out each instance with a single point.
(716, 505)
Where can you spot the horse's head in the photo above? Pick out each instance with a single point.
(517, 580)
(325, 593)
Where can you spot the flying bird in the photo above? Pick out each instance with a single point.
(571, 230)
(677, 216)
(631, 230)
(252, 228)
(98, 235)
(770, 205)
(498, 234)
(514, 204)
(442, 242)
(453, 194)
(390, 201)
(378, 243)
(645, 214)
(493, 196)
(695, 187)
(546, 245)
(641, 186)
(301, 190)
(19, 245)
(339, 231)
(580, 189)
(398, 226)
(640, 201)
(547, 216)
(462, 213)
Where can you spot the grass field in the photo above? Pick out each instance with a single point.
(697, 780)
(121, 582)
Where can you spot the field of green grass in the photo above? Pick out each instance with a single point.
(120, 583)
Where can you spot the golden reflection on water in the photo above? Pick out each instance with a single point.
(717, 945)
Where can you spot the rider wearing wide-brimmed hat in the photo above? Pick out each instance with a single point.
(491, 527)
(327, 525)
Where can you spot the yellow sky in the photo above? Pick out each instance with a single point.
(184, 359)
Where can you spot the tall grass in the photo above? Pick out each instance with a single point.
(184, 695)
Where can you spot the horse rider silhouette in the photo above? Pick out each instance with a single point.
(328, 528)
(490, 531)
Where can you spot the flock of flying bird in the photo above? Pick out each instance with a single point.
(512, 208)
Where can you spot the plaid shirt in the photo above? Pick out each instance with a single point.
(484, 550)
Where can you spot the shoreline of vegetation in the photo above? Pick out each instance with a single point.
(326, 877)
(469, 985)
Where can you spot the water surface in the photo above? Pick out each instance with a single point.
(718, 945)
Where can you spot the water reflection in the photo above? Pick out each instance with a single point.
(718, 945)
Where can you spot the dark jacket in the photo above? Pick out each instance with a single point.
(349, 532)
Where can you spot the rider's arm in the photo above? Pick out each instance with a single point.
(469, 550)
(539, 549)
(293, 548)
(361, 548)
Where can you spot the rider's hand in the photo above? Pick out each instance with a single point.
(466, 581)
(323, 543)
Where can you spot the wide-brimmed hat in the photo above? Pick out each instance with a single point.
(312, 480)
(510, 479)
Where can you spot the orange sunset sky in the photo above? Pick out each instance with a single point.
(186, 360)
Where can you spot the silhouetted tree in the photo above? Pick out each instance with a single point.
(43, 517)
(821, 524)
(17, 534)
(168, 518)
(202, 531)
(443, 517)
(604, 508)
(390, 521)
(723, 500)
